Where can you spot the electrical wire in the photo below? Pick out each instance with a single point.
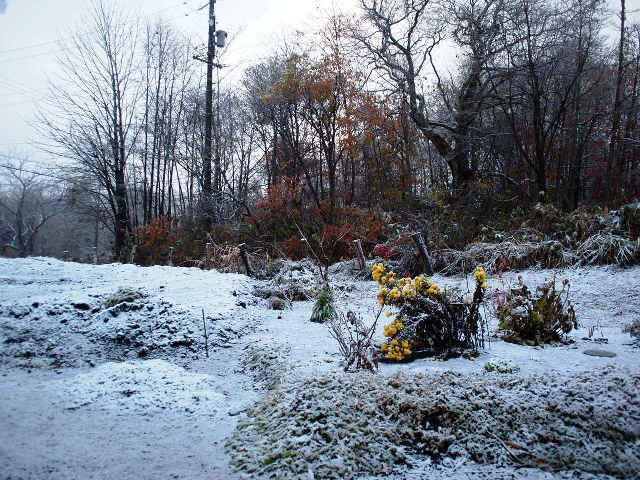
(58, 50)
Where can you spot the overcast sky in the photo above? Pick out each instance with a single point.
(29, 30)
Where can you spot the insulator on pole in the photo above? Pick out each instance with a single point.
(221, 38)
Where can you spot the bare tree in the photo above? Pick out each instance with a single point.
(92, 108)
(27, 202)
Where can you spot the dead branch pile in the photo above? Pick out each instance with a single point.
(498, 257)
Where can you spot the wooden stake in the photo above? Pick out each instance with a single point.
(361, 261)
(208, 250)
(206, 337)
(245, 258)
(424, 254)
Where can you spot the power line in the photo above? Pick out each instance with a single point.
(36, 55)
(23, 102)
(53, 42)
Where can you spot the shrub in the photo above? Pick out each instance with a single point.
(503, 256)
(122, 295)
(535, 318)
(324, 309)
(430, 320)
(385, 251)
(501, 366)
(355, 426)
(153, 241)
(336, 242)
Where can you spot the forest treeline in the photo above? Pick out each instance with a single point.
(344, 132)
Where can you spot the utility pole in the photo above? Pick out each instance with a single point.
(216, 38)
(206, 168)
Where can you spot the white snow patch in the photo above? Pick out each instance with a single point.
(143, 387)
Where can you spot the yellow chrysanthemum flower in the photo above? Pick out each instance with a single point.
(382, 295)
(409, 291)
(434, 289)
(419, 283)
(377, 271)
(481, 276)
(395, 294)
(395, 350)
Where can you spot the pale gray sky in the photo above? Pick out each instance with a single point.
(29, 30)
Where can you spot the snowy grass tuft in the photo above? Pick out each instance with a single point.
(607, 248)
(344, 426)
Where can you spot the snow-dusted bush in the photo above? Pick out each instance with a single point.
(501, 366)
(430, 320)
(533, 318)
(324, 308)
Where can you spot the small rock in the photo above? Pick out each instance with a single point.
(276, 303)
(19, 311)
(81, 306)
(501, 366)
(599, 353)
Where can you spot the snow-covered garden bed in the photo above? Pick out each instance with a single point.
(270, 397)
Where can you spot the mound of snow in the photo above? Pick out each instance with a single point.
(143, 387)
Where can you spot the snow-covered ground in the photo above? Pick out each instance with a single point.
(89, 389)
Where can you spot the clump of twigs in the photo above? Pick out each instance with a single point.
(535, 317)
(354, 338)
(227, 258)
(608, 248)
(355, 341)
